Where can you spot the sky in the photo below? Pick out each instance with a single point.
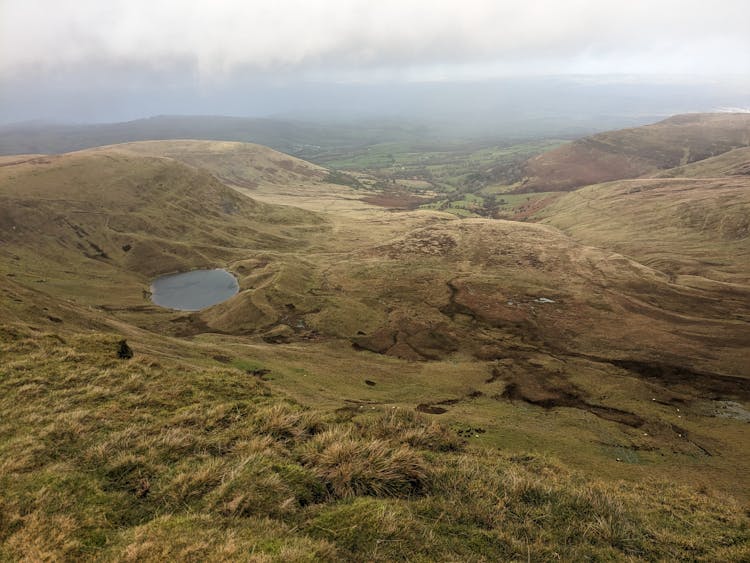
(64, 58)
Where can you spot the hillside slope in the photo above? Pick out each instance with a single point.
(258, 171)
(243, 164)
(630, 153)
(99, 225)
(732, 163)
(680, 226)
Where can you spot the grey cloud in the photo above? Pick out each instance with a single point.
(96, 60)
(339, 38)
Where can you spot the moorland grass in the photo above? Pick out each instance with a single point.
(153, 459)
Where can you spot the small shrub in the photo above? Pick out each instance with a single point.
(124, 352)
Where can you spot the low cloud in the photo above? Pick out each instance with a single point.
(356, 39)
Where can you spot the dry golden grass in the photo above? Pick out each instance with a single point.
(350, 466)
(679, 226)
(259, 172)
(150, 458)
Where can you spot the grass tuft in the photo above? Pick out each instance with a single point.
(351, 466)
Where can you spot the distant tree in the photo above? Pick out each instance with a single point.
(491, 205)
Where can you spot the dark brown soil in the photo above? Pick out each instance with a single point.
(430, 409)
(710, 385)
(550, 391)
(395, 199)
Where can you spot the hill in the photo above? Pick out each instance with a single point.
(257, 171)
(693, 227)
(732, 163)
(691, 220)
(288, 135)
(97, 226)
(385, 384)
(630, 153)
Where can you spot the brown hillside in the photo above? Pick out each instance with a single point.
(694, 221)
(630, 153)
(733, 163)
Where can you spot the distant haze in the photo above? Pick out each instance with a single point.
(86, 60)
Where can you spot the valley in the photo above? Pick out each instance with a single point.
(592, 332)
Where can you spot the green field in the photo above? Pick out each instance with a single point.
(456, 167)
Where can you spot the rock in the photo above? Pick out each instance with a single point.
(124, 352)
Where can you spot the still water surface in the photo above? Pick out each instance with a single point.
(193, 291)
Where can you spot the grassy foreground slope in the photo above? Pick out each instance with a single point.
(159, 459)
(630, 153)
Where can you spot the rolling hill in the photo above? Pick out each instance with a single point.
(731, 163)
(681, 226)
(289, 135)
(640, 151)
(255, 170)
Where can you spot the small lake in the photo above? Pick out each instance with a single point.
(193, 291)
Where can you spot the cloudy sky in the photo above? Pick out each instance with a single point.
(63, 47)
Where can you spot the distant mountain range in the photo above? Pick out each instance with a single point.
(294, 137)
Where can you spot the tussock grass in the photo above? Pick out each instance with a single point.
(351, 466)
(153, 460)
(412, 428)
(282, 421)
